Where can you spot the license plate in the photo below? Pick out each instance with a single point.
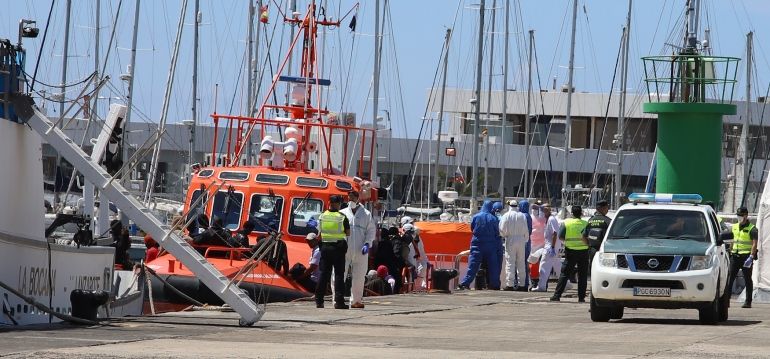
(652, 292)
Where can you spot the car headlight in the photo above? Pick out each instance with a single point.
(700, 262)
(608, 260)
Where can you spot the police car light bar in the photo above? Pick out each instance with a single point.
(665, 198)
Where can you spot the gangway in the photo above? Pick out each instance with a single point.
(236, 298)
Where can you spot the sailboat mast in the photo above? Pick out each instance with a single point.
(740, 174)
(65, 57)
(131, 71)
(375, 82)
(96, 59)
(503, 166)
(622, 108)
(489, 98)
(250, 74)
(477, 110)
(196, 44)
(568, 120)
(441, 109)
(527, 114)
(164, 110)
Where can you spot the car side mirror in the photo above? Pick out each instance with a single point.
(724, 236)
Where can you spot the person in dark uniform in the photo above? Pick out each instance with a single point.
(575, 254)
(334, 230)
(745, 236)
(596, 228)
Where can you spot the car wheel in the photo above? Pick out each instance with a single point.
(616, 312)
(710, 314)
(724, 306)
(599, 314)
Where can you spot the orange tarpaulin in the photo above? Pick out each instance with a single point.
(445, 237)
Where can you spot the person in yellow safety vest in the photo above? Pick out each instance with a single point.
(334, 231)
(575, 254)
(745, 236)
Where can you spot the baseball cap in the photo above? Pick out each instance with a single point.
(602, 203)
(513, 202)
(742, 211)
(335, 199)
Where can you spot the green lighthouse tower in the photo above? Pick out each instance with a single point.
(690, 92)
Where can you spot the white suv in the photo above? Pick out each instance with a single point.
(662, 255)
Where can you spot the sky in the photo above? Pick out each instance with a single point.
(412, 47)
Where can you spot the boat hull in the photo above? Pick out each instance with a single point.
(48, 276)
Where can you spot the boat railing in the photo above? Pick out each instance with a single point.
(233, 253)
(313, 135)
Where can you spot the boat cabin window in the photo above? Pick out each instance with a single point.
(304, 212)
(311, 182)
(344, 185)
(227, 206)
(205, 173)
(267, 211)
(199, 208)
(272, 179)
(234, 176)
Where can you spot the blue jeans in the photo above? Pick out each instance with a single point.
(527, 252)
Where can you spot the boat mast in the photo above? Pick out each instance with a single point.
(503, 162)
(527, 114)
(164, 110)
(292, 12)
(131, 71)
(250, 71)
(65, 57)
(196, 45)
(743, 144)
(568, 120)
(489, 98)
(620, 137)
(375, 82)
(476, 109)
(447, 37)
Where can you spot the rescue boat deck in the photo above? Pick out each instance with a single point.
(468, 324)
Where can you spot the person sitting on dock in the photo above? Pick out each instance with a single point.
(308, 276)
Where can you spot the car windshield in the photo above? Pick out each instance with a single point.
(659, 224)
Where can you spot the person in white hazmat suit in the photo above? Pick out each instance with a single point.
(514, 228)
(362, 233)
(553, 249)
(417, 255)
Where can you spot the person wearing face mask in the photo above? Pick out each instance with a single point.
(362, 233)
(745, 236)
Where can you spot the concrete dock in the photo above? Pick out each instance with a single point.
(473, 324)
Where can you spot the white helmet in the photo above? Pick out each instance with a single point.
(406, 220)
(408, 227)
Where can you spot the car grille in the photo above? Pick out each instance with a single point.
(651, 283)
(622, 262)
(642, 263)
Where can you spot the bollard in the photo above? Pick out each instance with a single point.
(85, 303)
(440, 280)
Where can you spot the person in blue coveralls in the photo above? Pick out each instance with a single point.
(485, 246)
(524, 208)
